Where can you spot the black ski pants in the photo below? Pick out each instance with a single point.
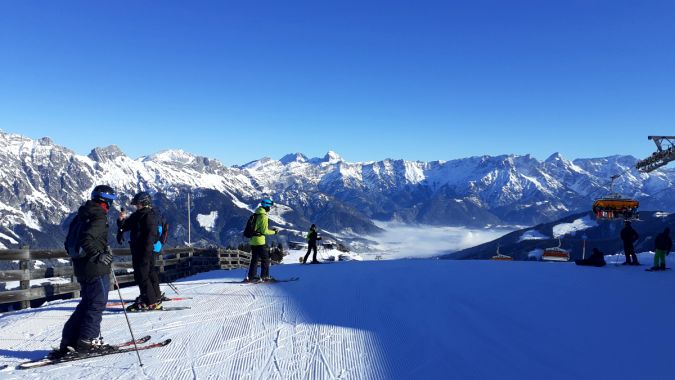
(310, 247)
(259, 252)
(629, 251)
(147, 279)
(85, 322)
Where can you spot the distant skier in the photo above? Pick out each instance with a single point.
(662, 244)
(312, 237)
(597, 259)
(629, 236)
(143, 226)
(259, 250)
(82, 331)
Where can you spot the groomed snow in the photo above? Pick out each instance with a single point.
(577, 225)
(399, 319)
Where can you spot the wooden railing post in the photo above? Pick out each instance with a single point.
(24, 264)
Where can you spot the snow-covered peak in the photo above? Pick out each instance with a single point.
(172, 155)
(555, 157)
(110, 152)
(293, 157)
(332, 158)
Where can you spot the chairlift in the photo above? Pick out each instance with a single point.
(556, 253)
(615, 206)
(665, 153)
(501, 257)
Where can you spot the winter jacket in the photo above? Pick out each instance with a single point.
(93, 240)
(312, 237)
(261, 227)
(629, 235)
(597, 259)
(663, 242)
(144, 233)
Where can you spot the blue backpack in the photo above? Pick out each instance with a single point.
(163, 233)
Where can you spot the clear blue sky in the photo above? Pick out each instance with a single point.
(425, 80)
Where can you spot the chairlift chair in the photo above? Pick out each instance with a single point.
(556, 253)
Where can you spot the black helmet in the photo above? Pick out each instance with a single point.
(142, 199)
(103, 193)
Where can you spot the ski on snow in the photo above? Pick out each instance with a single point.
(119, 309)
(115, 349)
(129, 302)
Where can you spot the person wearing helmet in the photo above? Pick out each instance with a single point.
(259, 249)
(662, 246)
(82, 331)
(312, 237)
(143, 234)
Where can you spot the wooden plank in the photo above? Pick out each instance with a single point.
(34, 274)
(37, 292)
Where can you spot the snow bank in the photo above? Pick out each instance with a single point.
(395, 319)
(577, 225)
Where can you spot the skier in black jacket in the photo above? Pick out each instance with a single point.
(143, 226)
(597, 259)
(629, 236)
(82, 331)
(312, 237)
(663, 244)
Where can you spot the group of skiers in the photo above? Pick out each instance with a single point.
(663, 244)
(82, 331)
(259, 249)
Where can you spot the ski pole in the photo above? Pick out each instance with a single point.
(173, 287)
(124, 308)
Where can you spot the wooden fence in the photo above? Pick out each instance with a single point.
(172, 264)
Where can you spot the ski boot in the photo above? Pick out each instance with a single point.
(85, 346)
(136, 306)
(253, 279)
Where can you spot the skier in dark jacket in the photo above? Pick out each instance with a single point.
(663, 244)
(629, 236)
(82, 331)
(597, 259)
(143, 226)
(312, 237)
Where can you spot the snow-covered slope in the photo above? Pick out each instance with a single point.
(403, 319)
(41, 183)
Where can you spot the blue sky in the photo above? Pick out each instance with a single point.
(422, 80)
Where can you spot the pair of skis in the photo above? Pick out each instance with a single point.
(114, 349)
(118, 303)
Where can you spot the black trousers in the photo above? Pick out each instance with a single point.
(85, 322)
(629, 251)
(309, 249)
(259, 252)
(147, 279)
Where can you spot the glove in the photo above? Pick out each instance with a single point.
(104, 258)
(120, 236)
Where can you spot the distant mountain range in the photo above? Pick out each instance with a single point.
(41, 184)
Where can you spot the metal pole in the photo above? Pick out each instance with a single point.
(124, 308)
(188, 209)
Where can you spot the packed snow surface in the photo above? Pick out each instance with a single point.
(577, 225)
(398, 319)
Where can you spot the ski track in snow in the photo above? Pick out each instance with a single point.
(421, 319)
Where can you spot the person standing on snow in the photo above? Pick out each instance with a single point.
(82, 331)
(143, 226)
(259, 250)
(629, 236)
(312, 237)
(662, 244)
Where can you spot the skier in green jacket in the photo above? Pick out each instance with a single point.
(259, 250)
(312, 237)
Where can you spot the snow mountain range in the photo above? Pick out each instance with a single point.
(42, 184)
